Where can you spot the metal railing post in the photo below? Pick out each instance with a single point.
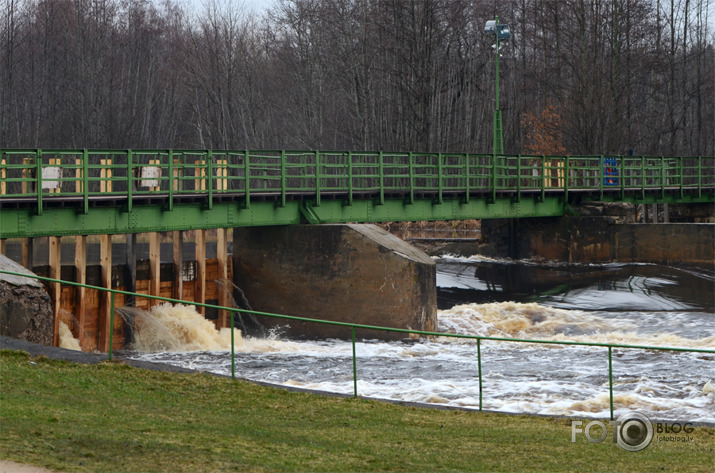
(247, 178)
(209, 176)
(601, 174)
(662, 177)
(479, 368)
(381, 175)
(38, 180)
(317, 178)
(466, 177)
(111, 324)
(440, 176)
(643, 178)
(412, 178)
(283, 178)
(494, 178)
(567, 174)
(350, 178)
(518, 178)
(233, 348)
(170, 155)
(130, 179)
(355, 390)
(85, 180)
(610, 378)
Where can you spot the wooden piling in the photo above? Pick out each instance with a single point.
(105, 261)
(130, 268)
(154, 267)
(80, 265)
(55, 289)
(223, 288)
(27, 250)
(200, 292)
(178, 259)
(92, 308)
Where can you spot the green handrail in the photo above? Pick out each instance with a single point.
(374, 173)
(354, 326)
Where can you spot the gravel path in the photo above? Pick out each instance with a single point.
(12, 467)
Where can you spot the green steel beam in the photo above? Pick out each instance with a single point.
(335, 211)
(22, 223)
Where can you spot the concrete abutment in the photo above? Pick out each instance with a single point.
(347, 273)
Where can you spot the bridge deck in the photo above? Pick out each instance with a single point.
(57, 191)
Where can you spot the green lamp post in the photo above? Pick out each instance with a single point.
(501, 33)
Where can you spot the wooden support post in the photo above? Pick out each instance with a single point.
(2, 246)
(200, 291)
(55, 288)
(178, 242)
(80, 265)
(105, 261)
(178, 174)
(105, 175)
(27, 253)
(200, 175)
(3, 177)
(130, 269)
(78, 183)
(222, 175)
(154, 267)
(26, 173)
(225, 286)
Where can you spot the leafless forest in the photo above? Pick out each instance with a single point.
(578, 76)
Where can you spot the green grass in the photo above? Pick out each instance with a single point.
(114, 418)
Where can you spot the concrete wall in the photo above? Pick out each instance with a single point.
(599, 239)
(348, 273)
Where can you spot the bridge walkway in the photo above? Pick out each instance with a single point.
(66, 192)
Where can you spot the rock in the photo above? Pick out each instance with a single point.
(25, 307)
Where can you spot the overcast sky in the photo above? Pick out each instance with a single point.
(257, 5)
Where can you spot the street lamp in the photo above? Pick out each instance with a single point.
(501, 33)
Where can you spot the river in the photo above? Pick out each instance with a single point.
(634, 304)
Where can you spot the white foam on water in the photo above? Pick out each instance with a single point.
(67, 340)
(517, 377)
(535, 321)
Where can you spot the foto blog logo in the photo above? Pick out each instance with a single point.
(632, 431)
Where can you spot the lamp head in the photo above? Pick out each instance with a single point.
(501, 31)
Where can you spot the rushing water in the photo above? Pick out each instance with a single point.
(617, 303)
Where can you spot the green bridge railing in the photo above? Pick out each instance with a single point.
(89, 192)
(41, 176)
(353, 327)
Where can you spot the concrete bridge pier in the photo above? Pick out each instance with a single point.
(348, 273)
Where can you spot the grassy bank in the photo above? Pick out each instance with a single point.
(112, 417)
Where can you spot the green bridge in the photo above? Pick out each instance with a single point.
(81, 192)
